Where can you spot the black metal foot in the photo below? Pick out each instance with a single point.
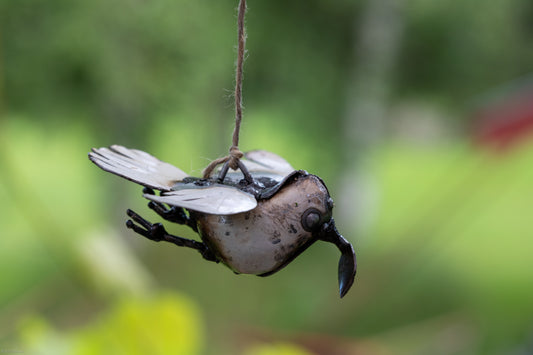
(157, 233)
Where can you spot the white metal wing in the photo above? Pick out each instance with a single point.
(215, 199)
(270, 162)
(137, 166)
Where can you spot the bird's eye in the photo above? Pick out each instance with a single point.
(329, 203)
(311, 219)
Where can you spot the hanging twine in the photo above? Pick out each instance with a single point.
(234, 153)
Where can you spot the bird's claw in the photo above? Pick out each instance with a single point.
(152, 231)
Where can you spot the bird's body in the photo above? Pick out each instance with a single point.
(262, 240)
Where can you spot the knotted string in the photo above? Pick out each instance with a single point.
(233, 161)
(234, 153)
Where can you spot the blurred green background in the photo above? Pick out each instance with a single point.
(385, 100)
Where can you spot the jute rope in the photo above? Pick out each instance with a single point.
(234, 153)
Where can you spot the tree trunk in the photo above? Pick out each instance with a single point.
(377, 39)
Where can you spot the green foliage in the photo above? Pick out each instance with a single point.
(166, 324)
(277, 349)
(457, 45)
(454, 226)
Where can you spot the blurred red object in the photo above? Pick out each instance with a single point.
(506, 119)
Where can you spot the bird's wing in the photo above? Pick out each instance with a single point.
(137, 166)
(261, 160)
(216, 199)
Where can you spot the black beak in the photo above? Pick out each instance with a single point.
(347, 262)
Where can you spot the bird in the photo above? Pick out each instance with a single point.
(255, 220)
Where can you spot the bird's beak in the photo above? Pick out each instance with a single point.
(347, 262)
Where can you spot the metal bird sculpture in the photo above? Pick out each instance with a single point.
(255, 221)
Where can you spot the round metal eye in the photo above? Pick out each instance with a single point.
(329, 203)
(311, 219)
